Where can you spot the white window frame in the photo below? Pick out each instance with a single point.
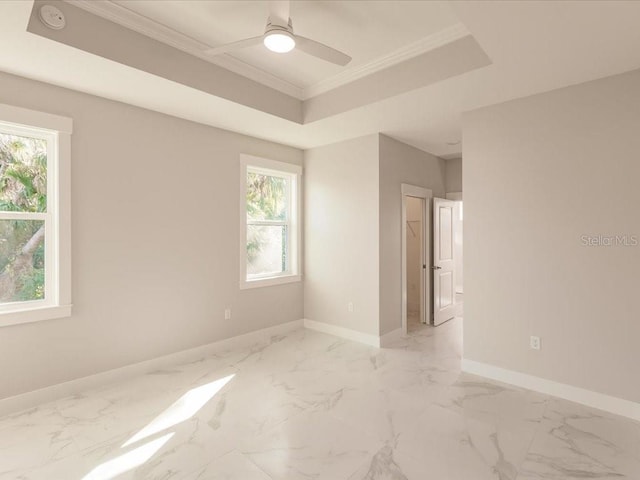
(294, 173)
(56, 130)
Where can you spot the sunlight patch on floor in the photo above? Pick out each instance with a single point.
(183, 409)
(127, 461)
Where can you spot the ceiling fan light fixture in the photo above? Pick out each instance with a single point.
(279, 41)
(278, 37)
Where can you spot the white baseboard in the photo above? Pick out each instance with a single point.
(615, 405)
(342, 332)
(37, 397)
(590, 398)
(391, 337)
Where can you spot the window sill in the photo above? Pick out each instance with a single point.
(35, 314)
(270, 281)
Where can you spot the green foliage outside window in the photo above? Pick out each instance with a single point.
(267, 200)
(23, 188)
(266, 197)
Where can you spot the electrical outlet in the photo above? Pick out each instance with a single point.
(227, 314)
(350, 306)
(534, 343)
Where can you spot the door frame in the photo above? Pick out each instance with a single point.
(457, 196)
(408, 190)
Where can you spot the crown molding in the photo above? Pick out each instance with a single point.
(157, 31)
(400, 55)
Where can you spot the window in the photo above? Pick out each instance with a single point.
(34, 216)
(270, 228)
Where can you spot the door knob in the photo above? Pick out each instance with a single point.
(435, 267)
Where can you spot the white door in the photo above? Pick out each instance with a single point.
(444, 291)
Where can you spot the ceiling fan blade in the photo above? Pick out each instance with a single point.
(322, 51)
(247, 42)
(279, 12)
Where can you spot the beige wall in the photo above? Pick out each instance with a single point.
(353, 213)
(399, 163)
(341, 234)
(155, 242)
(453, 175)
(540, 173)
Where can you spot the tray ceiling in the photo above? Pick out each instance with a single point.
(375, 33)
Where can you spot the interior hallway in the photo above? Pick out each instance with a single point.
(308, 405)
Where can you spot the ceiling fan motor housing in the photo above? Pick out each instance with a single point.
(276, 25)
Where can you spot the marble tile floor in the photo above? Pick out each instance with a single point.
(309, 406)
(413, 322)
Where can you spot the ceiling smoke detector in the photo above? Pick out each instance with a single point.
(52, 17)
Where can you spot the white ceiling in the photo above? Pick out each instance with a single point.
(365, 30)
(534, 47)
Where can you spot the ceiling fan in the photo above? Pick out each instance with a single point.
(279, 37)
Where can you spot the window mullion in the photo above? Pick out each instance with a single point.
(267, 223)
(23, 216)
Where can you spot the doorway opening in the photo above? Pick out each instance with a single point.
(416, 248)
(415, 261)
